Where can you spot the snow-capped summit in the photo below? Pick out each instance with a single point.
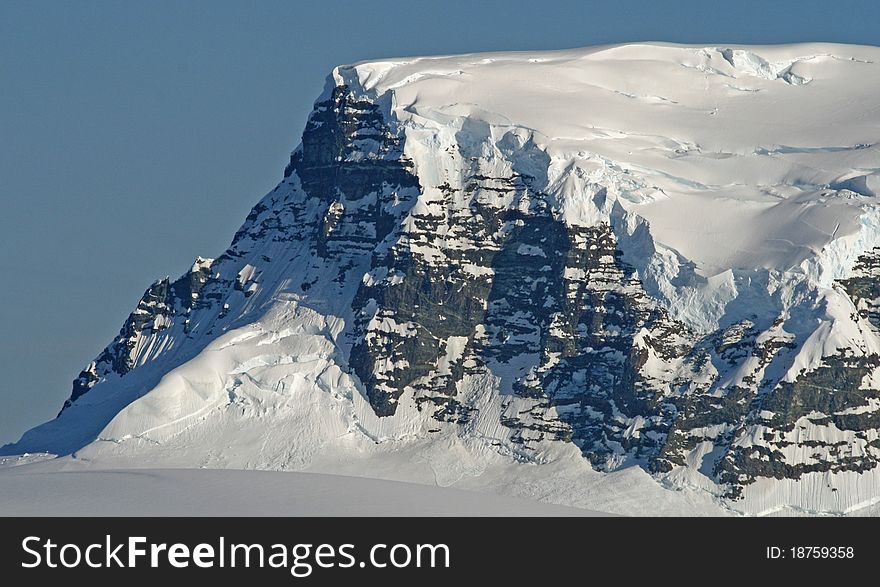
(627, 278)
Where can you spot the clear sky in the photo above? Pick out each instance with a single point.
(137, 135)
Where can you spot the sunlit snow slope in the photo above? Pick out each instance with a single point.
(638, 278)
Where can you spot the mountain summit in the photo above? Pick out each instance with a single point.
(638, 278)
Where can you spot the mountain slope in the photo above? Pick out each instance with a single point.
(651, 256)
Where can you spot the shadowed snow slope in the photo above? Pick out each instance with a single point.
(637, 279)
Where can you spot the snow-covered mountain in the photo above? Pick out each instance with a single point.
(638, 278)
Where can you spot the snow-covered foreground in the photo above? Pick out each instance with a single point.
(420, 468)
(205, 492)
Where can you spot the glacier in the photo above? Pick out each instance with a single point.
(639, 279)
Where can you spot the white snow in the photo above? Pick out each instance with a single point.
(531, 250)
(203, 492)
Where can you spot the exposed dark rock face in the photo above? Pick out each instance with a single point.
(863, 286)
(599, 339)
(825, 396)
(837, 396)
(352, 163)
(354, 185)
(164, 301)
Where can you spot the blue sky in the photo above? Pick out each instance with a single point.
(135, 136)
